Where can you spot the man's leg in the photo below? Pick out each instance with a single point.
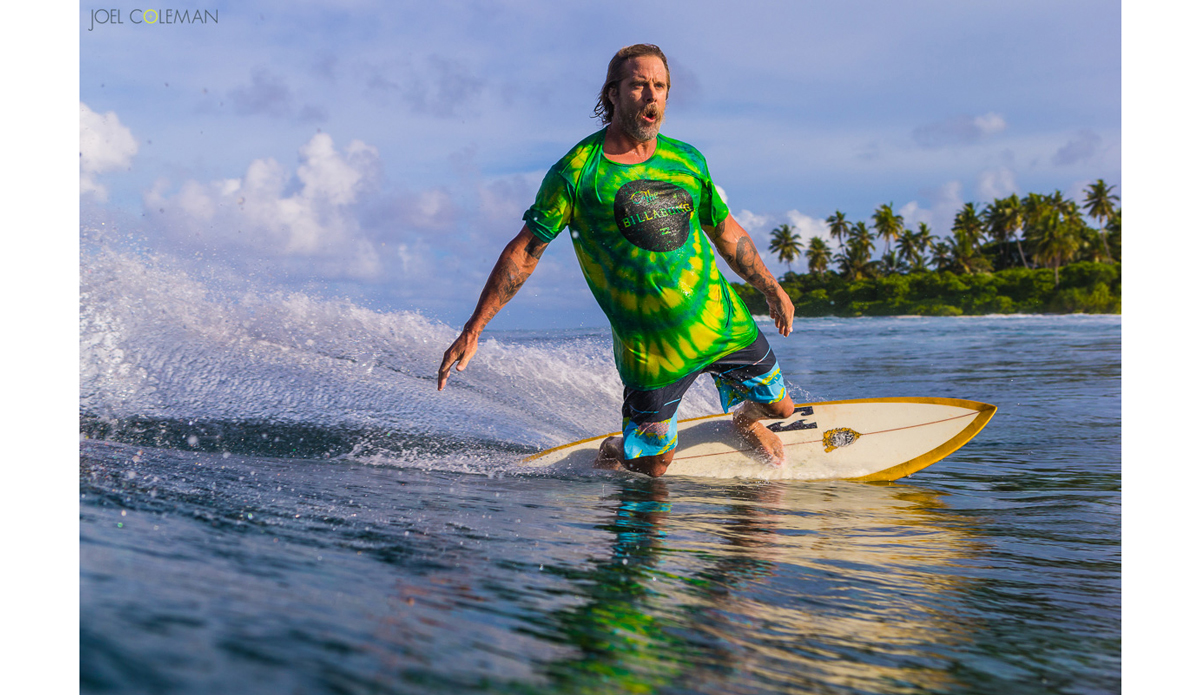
(649, 423)
(751, 377)
(611, 456)
(766, 443)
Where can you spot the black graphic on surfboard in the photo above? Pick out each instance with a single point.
(797, 424)
(653, 215)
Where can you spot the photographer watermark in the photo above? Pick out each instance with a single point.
(152, 17)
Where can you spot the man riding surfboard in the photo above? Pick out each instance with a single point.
(636, 203)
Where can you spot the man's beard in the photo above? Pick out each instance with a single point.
(633, 125)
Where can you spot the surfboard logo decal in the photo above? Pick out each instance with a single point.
(797, 425)
(838, 438)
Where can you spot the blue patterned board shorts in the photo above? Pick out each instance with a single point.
(649, 419)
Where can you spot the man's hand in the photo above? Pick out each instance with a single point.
(781, 310)
(461, 350)
(513, 267)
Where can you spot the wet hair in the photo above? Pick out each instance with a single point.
(616, 73)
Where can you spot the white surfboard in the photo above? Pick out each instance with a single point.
(866, 440)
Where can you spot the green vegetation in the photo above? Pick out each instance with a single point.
(1086, 287)
(1032, 255)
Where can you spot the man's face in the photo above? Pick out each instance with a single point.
(640, 98)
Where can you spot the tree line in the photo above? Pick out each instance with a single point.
(1036, 231)
(1031, 254)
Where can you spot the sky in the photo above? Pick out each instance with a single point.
(385, 152)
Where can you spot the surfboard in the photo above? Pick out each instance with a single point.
(870, 439)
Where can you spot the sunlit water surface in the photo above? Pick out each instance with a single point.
(275, 499)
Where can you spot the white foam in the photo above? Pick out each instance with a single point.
(156, 341)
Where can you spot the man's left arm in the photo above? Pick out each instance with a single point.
(738, 250)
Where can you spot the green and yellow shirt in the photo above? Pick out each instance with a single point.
(636, 230)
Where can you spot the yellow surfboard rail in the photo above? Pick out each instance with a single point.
(984, 413)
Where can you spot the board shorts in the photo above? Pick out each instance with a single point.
(649, 419)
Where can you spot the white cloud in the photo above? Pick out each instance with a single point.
(997, 183)
(752, 223)
(946, 202)
(990, 124)
(959, 130)
(255, 215)
(104, 145)
(807, 227)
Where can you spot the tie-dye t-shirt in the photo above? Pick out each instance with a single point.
(636, 230)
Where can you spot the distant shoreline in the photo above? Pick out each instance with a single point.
(1082, 288)
(766, 319)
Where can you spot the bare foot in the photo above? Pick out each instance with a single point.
(766, 443)
(608, 458)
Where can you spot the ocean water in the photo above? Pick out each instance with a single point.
(275, 499)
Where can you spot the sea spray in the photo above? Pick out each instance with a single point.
(174, 360)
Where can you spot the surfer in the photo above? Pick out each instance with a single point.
(636, 202)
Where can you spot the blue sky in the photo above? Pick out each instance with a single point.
(386, 151)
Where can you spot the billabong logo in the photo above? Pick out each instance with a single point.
(653, 215)
(140, 16)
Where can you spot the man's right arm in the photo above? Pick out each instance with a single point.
(514, 266)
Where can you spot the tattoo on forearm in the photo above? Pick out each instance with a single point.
(509, 279)
(535, 248)
(746, 262)
(508, 275)
(502, 285)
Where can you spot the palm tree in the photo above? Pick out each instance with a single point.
(1099, 204)
(852, 264)
(1053, 227)
(1003, 218)
(786, 244)
(861, 238)
(965, 256)
(839, 227)
(911, 246)
(888, 225)
(1112, 231)
(1091, 248)
(1057, 242)
(924, 237)
(818, 256)
(1033, 207)
(855, 258)
(968, 223)
(889, 263)
(942, 255)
